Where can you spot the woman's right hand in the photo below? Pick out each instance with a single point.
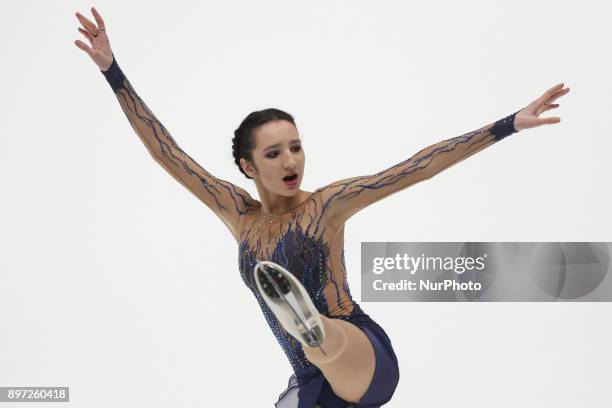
(100, 50)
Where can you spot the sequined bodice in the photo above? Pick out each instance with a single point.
(311, 251)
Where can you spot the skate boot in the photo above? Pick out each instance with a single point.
(290, 303)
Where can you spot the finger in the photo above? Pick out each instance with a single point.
(555, 88)
(86, 34)
(84, 26)
(550, 121)
(89, 26)
(547, 108)
(552, 106)
(84, 47)
(551, 91)
(557, 95)
(98, 18)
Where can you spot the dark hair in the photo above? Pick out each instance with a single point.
(243, 142)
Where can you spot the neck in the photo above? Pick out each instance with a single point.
(276, 204)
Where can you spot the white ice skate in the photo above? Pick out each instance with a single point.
(290, 303)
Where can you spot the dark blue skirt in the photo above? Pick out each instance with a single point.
(308, 387)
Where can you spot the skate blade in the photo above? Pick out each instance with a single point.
(281, 291)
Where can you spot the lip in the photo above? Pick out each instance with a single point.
(292, 183)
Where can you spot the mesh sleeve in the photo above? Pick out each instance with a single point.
(226, 200)
(344, 198)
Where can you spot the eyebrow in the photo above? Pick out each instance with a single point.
(278, 144)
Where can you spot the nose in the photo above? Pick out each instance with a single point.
(290, 163)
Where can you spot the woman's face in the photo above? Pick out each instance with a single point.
(278, 153)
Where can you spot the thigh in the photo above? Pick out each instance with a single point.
(351, 373)
(384, 381)
(386, 374)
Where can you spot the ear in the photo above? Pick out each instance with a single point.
(249, 169)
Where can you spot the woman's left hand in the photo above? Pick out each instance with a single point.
(528, 117)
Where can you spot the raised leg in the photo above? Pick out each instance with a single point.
(350, 361)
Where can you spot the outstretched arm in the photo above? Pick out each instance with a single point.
(344, 198)
(225, 199)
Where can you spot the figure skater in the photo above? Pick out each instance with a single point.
(290, 243)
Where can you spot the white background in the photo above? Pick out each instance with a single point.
(117, 282)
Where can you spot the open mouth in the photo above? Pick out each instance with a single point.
(291, 181)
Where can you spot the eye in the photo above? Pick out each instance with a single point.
(273, 154)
